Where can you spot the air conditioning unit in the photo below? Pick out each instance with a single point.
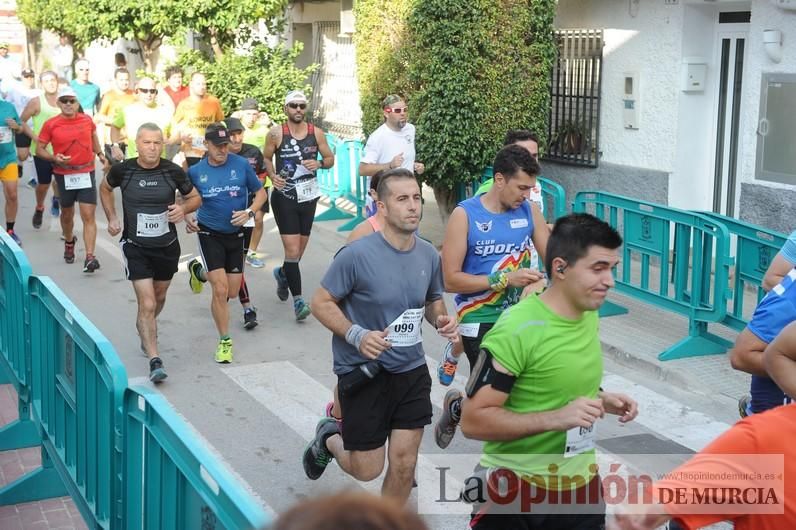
(788, 5)
(347, 16)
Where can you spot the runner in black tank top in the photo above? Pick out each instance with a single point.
(296, 145)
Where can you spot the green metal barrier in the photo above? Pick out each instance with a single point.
(699, 290)
(77, 386)
(350, 155)
(14, 344)
(334, 184)
(164, 461)
(753, 251)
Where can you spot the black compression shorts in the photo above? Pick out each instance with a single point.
(293, 217)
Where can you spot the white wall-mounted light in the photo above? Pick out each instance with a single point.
(772, 41)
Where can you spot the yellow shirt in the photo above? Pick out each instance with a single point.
(192, 117)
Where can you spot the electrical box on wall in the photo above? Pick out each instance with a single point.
(693, 74)
(789, 5)
(630, 101)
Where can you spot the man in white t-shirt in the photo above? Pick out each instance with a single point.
(392, 145)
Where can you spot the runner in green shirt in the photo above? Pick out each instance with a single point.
(539, 404)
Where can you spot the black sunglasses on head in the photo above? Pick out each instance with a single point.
(301, 106)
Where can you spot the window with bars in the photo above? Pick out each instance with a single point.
(573, 130)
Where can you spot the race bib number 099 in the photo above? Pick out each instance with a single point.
(406, 329)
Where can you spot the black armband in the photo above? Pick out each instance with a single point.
(484, 373)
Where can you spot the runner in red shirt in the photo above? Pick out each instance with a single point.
(73, 136)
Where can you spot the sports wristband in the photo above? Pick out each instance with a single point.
(498, 281)
(355, 334)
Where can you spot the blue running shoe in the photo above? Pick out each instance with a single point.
(447, 369)
(301, 309)
(55, 208)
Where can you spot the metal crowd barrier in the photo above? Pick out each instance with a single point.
(349, 157)
(123, 455)
(334, 182)
(164, 460)
(753, 250)
(699, 290)
(14, 345)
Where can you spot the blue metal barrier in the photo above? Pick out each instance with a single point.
(753, 251)
(350, 155)
(333, 183)
(699, 290)
(77, 387)
(164, 460)
(14, 343)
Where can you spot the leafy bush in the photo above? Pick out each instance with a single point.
(264, 73)
(470, 69)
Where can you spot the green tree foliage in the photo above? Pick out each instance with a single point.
(148, 21)
(264, 73)
(470, 69)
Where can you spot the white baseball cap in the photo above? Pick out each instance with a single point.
(295, 96)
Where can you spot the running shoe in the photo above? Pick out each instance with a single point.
(55, 208)
(38, 216)
(224, 351)
(194, 281)
(281, 284)
(69, 251)
(32, 183)
(91, 264)
(447, 369)
(15, 237)
(301, 309)
(445, 428)
(316, 456)
(743, 406)
(156, 372)
(250, 318)
(254, 261)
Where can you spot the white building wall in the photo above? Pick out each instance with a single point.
(764, 16)
(646, 39)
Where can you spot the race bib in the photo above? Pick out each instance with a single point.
(307, 190)
(579, 440)
(152, 225)
(6, 135)
(469, 330)
(249, 223)
(77, 181)
(405, 330)
(198, 142)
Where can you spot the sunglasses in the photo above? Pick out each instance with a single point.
(402, 110)
(301, 106)
(148, 90)
(67, 101)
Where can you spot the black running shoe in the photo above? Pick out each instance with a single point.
(316, 455)
(250, 318)
(156, 371)
(38, 216)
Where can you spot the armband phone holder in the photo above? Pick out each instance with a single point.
(484, 373)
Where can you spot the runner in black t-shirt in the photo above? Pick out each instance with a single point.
(149, 241)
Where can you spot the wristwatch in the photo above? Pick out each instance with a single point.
(250, 212)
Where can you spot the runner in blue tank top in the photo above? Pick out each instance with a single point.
(773, 313)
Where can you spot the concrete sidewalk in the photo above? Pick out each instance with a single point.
(60, 513)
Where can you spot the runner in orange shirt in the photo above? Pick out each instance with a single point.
(192, 117)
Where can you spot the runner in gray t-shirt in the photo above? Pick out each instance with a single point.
(374, 298)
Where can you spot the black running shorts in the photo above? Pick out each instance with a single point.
(22, 140)
(44, 170)
(390, 401)
(141, 263)
(293, 217)
(221, 251)
(472, 345)
(68, 198)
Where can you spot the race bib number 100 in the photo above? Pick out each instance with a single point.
(152, 225)
(406, 329)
